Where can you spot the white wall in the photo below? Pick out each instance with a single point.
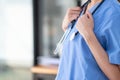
(16, 32)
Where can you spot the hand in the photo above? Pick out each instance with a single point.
(85, 24)
(71, 15)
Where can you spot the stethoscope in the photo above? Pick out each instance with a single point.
(71, 25)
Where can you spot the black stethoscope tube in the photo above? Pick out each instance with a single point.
(84, 7)
(92, 12)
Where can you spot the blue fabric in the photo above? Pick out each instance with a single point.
(77, 61)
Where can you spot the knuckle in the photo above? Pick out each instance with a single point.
(76, 16)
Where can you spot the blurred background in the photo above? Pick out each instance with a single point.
(29, 32)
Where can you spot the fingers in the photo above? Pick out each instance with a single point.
(89, 15)
(86, 18)
(72, 14)
(75, 12)
(76, 9)
(73, 17)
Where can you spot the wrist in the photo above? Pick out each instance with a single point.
(88, 35)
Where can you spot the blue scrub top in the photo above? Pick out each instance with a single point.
(77, 61)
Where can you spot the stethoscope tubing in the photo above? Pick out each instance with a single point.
(60, 43)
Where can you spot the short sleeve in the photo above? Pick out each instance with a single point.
(112, 34)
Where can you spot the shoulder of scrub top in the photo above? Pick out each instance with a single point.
(116, 4)
(107, 12)
(111, 8)
(108, 9)
(112, 24)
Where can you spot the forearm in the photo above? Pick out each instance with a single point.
(101, 57)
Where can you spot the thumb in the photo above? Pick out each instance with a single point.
(89, 15)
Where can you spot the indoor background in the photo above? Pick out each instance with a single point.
(29, 32)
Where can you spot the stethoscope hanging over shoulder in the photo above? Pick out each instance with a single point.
(71, 25)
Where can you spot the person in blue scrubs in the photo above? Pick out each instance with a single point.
(93, 53)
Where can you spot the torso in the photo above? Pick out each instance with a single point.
(77, 61)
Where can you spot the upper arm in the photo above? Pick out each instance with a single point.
(119, 67)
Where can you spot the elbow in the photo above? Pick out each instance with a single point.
(115, 77)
